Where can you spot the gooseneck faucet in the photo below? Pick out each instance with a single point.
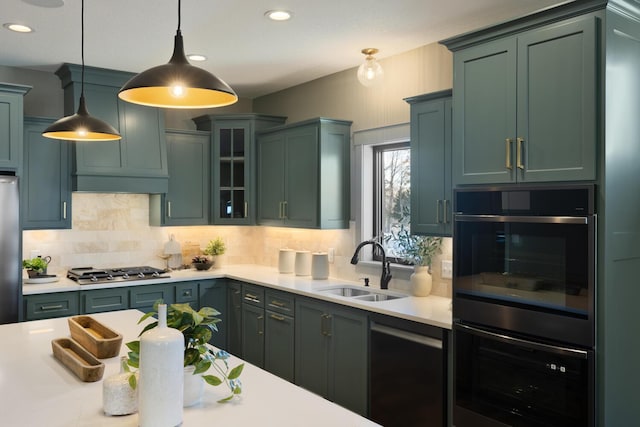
(386, 265)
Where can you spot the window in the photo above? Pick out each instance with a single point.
(392, 194)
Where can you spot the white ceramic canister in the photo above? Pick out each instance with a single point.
(319, 266)
(303, 263)
(161, 386)
(286, 261)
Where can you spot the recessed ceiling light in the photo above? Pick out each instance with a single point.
(196, 57)
(18, 28)
(278, 15)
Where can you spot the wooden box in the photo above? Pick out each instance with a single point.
(77, 359)
(100, 340)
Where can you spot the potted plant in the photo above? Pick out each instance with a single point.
(201, 262)
(419, 251)
(214, 249)
(36, 266)
(197, 328)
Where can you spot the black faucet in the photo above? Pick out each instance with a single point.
(386, 265)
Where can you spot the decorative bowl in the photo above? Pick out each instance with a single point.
(202, 265)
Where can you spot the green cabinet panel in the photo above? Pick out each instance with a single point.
(212, 293)
(11, 117)
(303, 174)
(101, 300)
(143, 297)
(138, 162)
(234, 318)
(46, 306)
(46, 180)
(525, 106)
(188, 293)
(187, 201)
(233, 161)
(253, 334)
(431, 189)
(331, 353)
(279, 350)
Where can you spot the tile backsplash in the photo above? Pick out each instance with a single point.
(112, 230)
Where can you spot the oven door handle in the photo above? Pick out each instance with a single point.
(405, 335)
(525, 219)
(565, 351)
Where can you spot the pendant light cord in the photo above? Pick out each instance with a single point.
(82, 47)
(179, 17)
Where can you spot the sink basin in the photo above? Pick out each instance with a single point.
(375, 297)
(359, 293)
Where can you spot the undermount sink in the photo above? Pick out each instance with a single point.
(358, 293)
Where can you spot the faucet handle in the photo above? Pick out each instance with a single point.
(366, 280)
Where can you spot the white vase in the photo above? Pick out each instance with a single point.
(161, 375)
(420, 281)
(193, 387)
(118, 398)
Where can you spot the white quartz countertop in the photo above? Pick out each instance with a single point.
(432, 310)
(37, 390)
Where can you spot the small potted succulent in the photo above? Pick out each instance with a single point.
(197, 328)
(36, 266)
(214, 249)
(201, 262)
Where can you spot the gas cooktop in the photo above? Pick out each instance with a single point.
(90, 275)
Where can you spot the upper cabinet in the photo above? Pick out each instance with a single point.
(431, 190)
(46, 181)
(525, 105)
(138, 162)
(233, 164)
(303, 174)
(11, 113)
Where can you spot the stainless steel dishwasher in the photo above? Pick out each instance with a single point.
(408, 369)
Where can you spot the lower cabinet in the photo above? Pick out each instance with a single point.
(234, 318)
(101, 300)
(143, 297)
(46, 306)
(279, 350)
(331, 352)
(253, 324)
(212, 293)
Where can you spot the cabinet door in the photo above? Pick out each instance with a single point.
(253, 334)
(301, 177)
(46, 306)
(557, 119)
(46, 182)
(234, 319)
(143, 297)
(187, 202)
(101, 300)
(144, 150)
(311, 346)
(213, 293)
(271, 173)
(232, 177)
(431, 193)
(188, 293)
(11, 114)
(278, 346)
(348, 362)
(484, 119)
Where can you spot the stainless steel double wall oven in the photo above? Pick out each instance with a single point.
(524, 306)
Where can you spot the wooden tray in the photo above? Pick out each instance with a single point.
(77, 359)
(100, 340)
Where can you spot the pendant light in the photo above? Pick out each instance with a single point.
(370, 72)
(177, 84)
(81, 126)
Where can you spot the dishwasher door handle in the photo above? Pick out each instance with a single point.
(406, 335)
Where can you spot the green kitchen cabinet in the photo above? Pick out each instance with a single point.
(253, 324)
(143, 297)
(189, 293)
(279, 349)
(46, 180)
(11, 122)
(526, 105)
(233, 162)
(331, 352)
(101, 300)
(187, 200)
(46, 306)
(431, 189)
(212, 293)
(234, 317)
(303, 174)
(135, 164)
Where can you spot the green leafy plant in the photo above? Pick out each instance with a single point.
(197, 328)
(37, 264)
(199, 259)
(215, 247)
(417, 250)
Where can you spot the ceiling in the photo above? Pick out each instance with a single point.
(254, 55)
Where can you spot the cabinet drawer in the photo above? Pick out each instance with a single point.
(187, 293)
(143, 297)
(101, 300)
(46, 306)
(279, 302)
(252, 294)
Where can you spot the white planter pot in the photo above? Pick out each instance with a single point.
(420, 281)
(193, 387)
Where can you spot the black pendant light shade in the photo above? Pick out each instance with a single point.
(177, 84)
(81, 126)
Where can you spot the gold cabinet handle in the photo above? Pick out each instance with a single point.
(508, 150)
(168, 209)
(260, 332)
(64, 210)
(519, 164)
(280, 210)
(284, 210)
(246, 209)
(438, 203)
(50, 307)
(276, 317)
(445, 210)
(277, 303)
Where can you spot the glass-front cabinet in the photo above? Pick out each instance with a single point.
(233, 164)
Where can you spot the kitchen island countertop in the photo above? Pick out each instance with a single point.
(37, 390)
(432, 310)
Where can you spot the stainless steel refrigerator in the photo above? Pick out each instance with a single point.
(10, 250)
